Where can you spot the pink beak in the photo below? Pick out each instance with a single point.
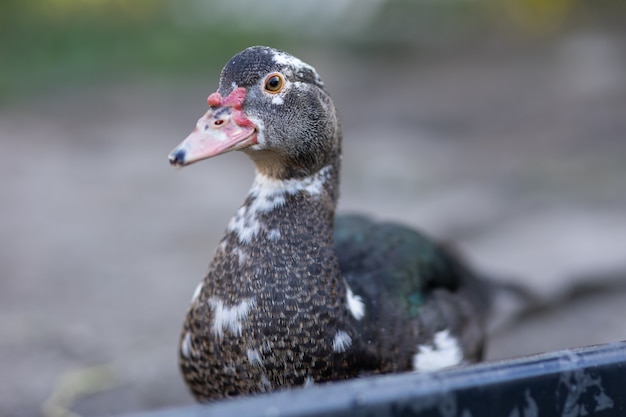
(222, 129)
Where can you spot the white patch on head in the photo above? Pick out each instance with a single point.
(278, 100)
(196, 292)
(282, 58)
(296, 64)
(443, 353)
(309, 381)
(229, 318)
(342, 341)
(234, 85)
(273, 235)
(185, 347)
(268, 194)
(260, 136)
(254, 357)
(355, 304)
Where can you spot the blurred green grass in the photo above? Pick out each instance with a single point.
(53, 43)
(45, 44)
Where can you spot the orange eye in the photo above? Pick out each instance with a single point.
(274, 83)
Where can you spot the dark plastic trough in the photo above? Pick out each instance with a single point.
(576, 382)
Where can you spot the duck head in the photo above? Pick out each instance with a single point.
(273, 107)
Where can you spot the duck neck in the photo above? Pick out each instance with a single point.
(283, 232)
(274, 205)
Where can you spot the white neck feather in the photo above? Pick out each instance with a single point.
(268, 194)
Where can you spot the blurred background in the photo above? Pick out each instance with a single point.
(499, 126)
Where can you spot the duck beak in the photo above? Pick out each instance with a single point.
(222, 129)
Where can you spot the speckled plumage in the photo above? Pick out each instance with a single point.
(294, 295)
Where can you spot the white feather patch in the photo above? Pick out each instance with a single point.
(273, 235)
(443, 353)
(355, 304)
(260, 135)
(269, 187)
(268, 194)
(229, 318)
(197, 292)
(185, 347)
(254, 357)
(297, 64)
(245, 224)
(265, 383)
(342, 341)
(242, 255)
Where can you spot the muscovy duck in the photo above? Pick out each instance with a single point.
(294, 295)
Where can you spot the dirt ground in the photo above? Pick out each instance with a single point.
(517, 156)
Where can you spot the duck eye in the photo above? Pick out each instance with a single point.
(274, 83)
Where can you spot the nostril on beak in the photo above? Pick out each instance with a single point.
(214, 124)
(177, 157)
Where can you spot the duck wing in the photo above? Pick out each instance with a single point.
(417, 296)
